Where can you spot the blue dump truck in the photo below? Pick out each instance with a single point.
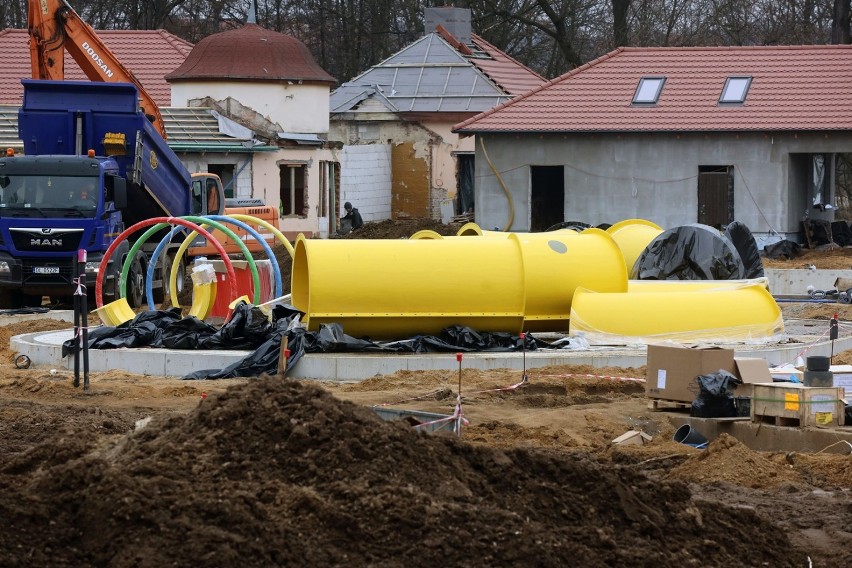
(93, 165)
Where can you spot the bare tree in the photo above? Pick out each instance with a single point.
(619, 25)
(840, 22)
(13, 14)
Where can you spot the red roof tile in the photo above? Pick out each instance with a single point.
(793, 88)
(251, 52)
(510, 75)
(149, 54)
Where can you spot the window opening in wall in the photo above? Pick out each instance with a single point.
(292, 179)
(226, 174)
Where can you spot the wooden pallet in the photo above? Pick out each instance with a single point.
(777, 420)
(661, 404)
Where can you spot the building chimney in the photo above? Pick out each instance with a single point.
(455, 20)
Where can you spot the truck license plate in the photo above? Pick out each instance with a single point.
(46, 269)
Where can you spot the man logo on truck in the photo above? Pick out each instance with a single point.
(97, 59)
(46, 242)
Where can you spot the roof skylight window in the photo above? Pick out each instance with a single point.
(648, 91)
(735, 90)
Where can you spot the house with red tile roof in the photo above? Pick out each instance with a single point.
(248, 104)
(150, 54)
(400, 158)
(270, 83)
(672, 135)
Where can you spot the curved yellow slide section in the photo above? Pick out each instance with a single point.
(426, 234)
(473, 230)
(115, 313)
(632, 236)
(736, 314)
(668, 286)
(203, 298)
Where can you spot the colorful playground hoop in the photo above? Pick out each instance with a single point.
(165, 221)
(212, 220)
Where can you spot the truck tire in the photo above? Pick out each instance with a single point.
(162, 294)
(11, 299)
(136, 283)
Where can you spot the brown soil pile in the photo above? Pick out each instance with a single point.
(275, 472)
(401, 229)
(29, 326)
(727, 459)
(835, 259)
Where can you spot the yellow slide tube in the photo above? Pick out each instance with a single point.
(735, 314)
(632, 236)
(426, 234)
(396, 288)
(558, 262)
(473, 230)
(667, 286)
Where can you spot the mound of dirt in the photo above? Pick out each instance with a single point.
(400, 229)
(727, 459)
(276, 472)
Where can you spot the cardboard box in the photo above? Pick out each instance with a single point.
(783, 373)
(789, 404)
(843, 378)
(672, 370)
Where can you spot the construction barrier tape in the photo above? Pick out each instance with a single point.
(607, 377)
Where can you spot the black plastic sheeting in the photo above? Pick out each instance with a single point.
(782, 250)
(716, 395)
(739, 234)
(249, 329)
(689, 252)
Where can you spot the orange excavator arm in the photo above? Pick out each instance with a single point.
(54, 27)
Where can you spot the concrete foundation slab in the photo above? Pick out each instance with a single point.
(783, 282)
(770, 438)
(45, 348)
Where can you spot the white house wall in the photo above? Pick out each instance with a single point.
(609, 178)
(296, 108)
(196, 163)
(267, 184)
(365, 180)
